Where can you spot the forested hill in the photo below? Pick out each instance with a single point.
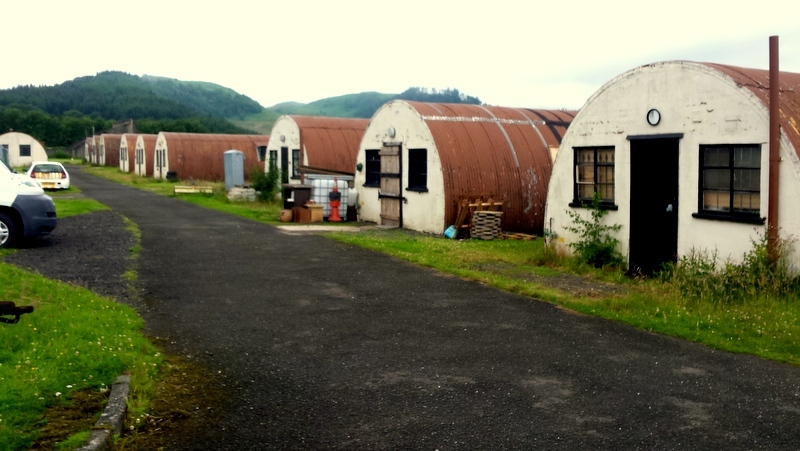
(120, 96)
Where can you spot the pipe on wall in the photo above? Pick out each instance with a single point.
(774, 149)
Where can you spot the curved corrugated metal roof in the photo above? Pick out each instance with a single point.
(757, 81)
(331, 143)
(111, 145)
(497, 152)
(200, 155)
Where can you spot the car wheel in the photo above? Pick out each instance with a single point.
(8, 231)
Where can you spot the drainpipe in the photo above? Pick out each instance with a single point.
(774, 150)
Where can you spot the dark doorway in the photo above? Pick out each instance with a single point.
(284, 165)
(654, 204)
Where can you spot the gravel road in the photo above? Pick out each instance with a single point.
(326, 346)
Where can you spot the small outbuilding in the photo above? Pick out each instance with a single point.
(418, 161)
(127, 152)
(678, 153)
(312, 144)
(20, 150)
(200, 156)
(144, 155)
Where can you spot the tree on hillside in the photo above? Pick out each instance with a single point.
(449, 95)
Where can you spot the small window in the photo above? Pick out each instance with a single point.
(417, 170)
(273, 159)
(24, 150)
(730, 181)
(295, 163)
(594, 173)
(262, 153)
(372, 172)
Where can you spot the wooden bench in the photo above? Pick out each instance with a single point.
(192, 189)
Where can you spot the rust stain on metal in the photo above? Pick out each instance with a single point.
(498, 152)
(111, 146)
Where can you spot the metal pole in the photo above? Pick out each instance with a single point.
(774, 149)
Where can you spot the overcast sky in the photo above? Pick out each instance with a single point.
(537, 54)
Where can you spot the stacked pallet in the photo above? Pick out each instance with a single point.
(486, 224)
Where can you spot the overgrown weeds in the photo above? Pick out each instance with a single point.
(702, 277)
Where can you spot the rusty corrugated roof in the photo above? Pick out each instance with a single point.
(331, 143)
(200, 155)
(497, 152)
(757, 81)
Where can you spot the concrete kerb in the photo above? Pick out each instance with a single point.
(112, 418)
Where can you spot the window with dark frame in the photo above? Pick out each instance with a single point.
(372, 170)
(262, 153)
(730, 182)
(594, 173)
(295, 163)
(417, 170)
(24, 150)
(273, 159)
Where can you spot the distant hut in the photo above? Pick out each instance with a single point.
(144, 155)
(200, 156)
(20, 150)
(108, 150)
(418, 161)
(127, 152)
(313, 144)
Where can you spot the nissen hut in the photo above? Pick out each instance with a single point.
(678, 153)
(20, 149)
(144, 154)
(108, 150)
(127, 149)
(300, 144)
(417, 161)
(200, 156)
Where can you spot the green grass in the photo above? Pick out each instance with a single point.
(73, 340)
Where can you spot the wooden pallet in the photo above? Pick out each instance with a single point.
(517, 236)
(486, 224)
(467, 206)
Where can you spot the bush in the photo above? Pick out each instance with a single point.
(61, 154)
(265, 183)
(596, 246)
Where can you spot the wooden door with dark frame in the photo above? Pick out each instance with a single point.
(391, 191)
(653, 204)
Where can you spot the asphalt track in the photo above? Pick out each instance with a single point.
(327, 346)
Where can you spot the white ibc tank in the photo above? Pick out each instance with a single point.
(322, 185)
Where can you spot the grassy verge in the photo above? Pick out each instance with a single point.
(66, 353)
(74, 340)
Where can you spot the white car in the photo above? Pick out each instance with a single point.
(49, 174)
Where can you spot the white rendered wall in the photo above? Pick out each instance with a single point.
(423, 212)
(161, 146)
(140, 158)
(707, 108)
(123, 153)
